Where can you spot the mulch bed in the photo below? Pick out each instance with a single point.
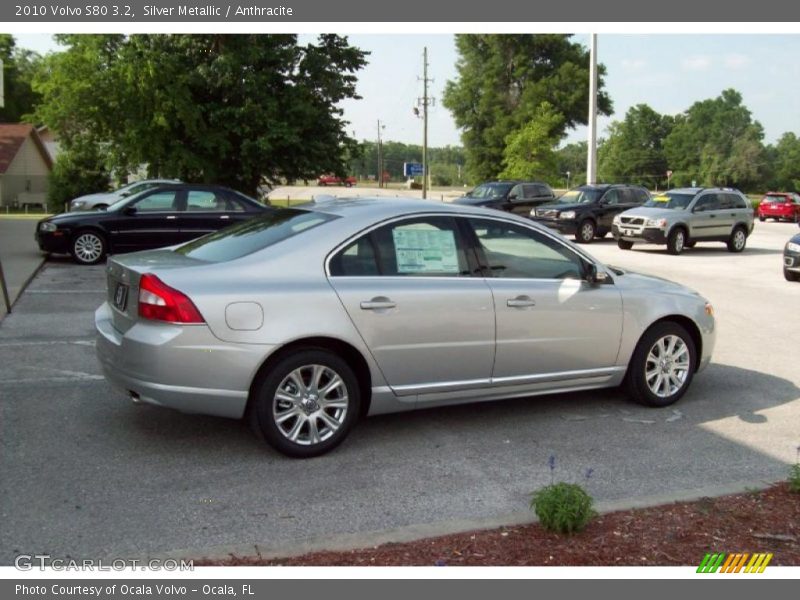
(673, 534)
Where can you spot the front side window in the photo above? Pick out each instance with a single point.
(158, 202)
(516, 252)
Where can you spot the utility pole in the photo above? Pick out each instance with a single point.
(591, 158)
(425, 102)
(380, 155)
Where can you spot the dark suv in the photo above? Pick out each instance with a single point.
(517, 197)
(588, 211)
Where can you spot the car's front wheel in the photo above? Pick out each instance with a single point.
(662, 365)
(307, 403)
(88, 247)
(585, 232)
(676, 241)
(624, 245)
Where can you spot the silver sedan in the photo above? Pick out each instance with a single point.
(308, 318)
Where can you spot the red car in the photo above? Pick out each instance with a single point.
(335, 180)
(780, 205)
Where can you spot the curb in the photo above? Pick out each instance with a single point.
(411, 533)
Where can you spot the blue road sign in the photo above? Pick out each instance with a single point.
(412, 169)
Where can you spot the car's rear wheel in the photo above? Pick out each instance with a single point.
(689, 244)
(762, 219)
(676, 241)
(88, 247)
(790, 275)
(662, 365)
(624, 245)
(738, 240)
(585, 232)
(307, 403)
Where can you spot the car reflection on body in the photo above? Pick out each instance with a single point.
(307, 318)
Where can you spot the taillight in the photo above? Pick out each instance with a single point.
(160, 302)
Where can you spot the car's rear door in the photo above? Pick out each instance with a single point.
(209, 210)
(410, 290)
(551, 323)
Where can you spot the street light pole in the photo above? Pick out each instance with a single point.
(591, 158)
(380, 155)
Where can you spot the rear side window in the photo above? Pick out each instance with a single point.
(707, 202)
(253, 235)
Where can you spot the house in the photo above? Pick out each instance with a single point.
(50, 141)
(25, 165)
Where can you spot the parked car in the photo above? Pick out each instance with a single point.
(780, 205)
(305, 319)
(161, 216)
(518, 197)
(587, 211)
(681, 217)
(103, 200)
(791, 259)
(336, 180)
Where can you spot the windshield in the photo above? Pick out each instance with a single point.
(491, 190)
(580, 196)
(252, 235)
(670, 200)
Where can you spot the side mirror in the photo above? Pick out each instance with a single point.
(593, 276)
(129, 211)
(513, 196)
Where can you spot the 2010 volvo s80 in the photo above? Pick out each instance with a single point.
(307, 318)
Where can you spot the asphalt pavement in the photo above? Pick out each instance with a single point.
(19, 254)
(87, 474)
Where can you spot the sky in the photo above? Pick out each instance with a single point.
(667, 71)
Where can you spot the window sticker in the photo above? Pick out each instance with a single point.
(661, 198)
(425, 251)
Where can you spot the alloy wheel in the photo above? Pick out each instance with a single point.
(667, 366)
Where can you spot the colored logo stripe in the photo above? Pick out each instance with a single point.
(734, 563)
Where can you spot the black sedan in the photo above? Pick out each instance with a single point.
(158, 217)
(517, 197)
(791, 259)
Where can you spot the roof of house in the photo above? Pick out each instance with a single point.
(12, 136)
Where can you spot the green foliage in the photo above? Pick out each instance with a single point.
(794, 478)
(572, 159)
(79, 169)
(716, 142)
(19, 66)
(227, 109)
(563, 507)
(633, 152)
(784, 157)
(443, 163)
(503, 79)
(530, 151)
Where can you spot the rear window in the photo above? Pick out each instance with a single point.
(253, 235)
(775, 198)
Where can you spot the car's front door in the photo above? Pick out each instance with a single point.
(410, 290)
(148, 221)
(705, 222)
(551, 323)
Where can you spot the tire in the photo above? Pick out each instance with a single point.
(304, 406)
(790, 275)
(88, 247)
(676, 241)
(585, 232)
(762, 219)
(689, 244)
(738, 240)
(623, 245)
(600, 235)
(645, 380)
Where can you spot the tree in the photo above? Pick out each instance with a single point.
(572, 160)
(716, 142)
(501, 81)
(530, 151)
(19, 66)
(79, 169)
(785, 160)
(633, 152)
(228, 109)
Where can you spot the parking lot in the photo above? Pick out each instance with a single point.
(88, 474)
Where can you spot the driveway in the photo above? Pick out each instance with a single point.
(87, 474)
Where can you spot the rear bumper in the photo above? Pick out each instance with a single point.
(180, 367)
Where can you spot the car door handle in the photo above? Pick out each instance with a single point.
(377, 304)
(170, 217)
(225, 217)
(521, 302)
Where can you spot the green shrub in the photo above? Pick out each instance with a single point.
(794, 478)
(563, 507)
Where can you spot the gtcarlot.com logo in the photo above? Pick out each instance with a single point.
(28, 562)
(719, 562)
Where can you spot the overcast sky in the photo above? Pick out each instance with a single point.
(667, 71)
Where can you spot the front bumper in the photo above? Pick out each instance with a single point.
(645, 235)
(564, 226)
(791, 261)
(56, 242)
(176, 366)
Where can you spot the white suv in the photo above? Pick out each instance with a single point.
(681, 217)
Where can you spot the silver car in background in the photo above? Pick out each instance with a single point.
(103, 200)
(308, 318)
